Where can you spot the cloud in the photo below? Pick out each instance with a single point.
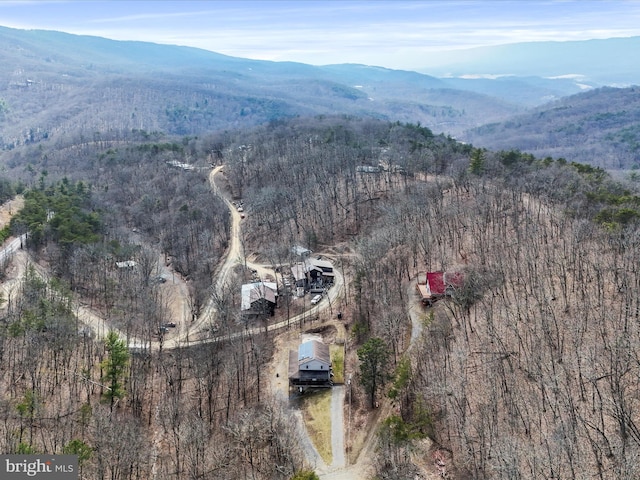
(149, 16)
(396, 34)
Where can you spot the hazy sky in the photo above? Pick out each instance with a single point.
(394, 34)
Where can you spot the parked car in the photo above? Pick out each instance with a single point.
(170, 325)
(316, 299)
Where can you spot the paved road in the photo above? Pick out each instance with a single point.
(20, 259)
(337, 427)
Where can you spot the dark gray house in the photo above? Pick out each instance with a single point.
(313, 272)
(259, 299)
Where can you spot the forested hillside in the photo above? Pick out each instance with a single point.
(600, 127)
(57, 88)
(528, 372)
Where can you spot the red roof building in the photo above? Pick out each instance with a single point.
(439, 284)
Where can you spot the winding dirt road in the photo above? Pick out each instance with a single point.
(180, 338)
(338, 470)
(177, 291)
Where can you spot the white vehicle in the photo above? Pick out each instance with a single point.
(316, 299)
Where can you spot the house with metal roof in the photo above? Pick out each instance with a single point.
(313, 271)
(259, 299)
(310, 366)
(324, 267)
(436, 285)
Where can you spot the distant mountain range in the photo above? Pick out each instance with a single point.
(58, 87)
(609, 62)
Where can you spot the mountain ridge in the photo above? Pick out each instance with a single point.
(59, 86)
(600, 127)
(603, 61)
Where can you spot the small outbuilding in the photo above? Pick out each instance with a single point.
(301, 251)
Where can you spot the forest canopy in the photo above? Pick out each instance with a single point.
(500, 375)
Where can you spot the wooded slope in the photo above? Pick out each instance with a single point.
(599, 127)
(530, 371)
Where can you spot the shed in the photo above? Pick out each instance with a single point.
(126, 264)
(301, 251)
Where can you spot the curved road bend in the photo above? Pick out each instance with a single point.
(234, 256)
